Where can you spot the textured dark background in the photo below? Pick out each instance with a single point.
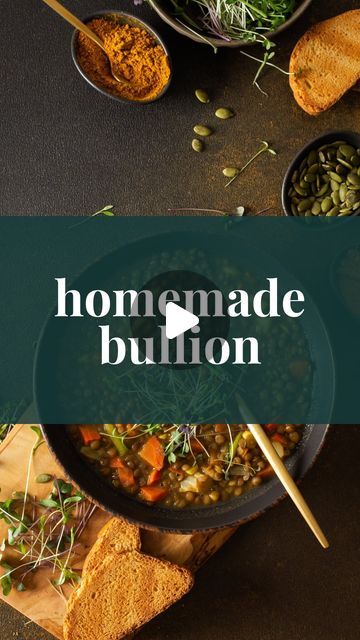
(66, 149)
(272, 580)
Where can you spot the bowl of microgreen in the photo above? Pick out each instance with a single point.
(234, 23)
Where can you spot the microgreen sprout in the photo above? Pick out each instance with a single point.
(107, 211)
(264, 148)
(42, 532)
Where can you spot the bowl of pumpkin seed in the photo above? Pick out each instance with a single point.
(324, 177)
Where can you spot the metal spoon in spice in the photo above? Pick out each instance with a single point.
(75, 22)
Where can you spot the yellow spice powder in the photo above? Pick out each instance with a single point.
(136, 54)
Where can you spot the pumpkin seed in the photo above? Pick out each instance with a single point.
(224, 114)
(333, 212)
(347, 150)
(299, 190)
(354, 179)
(326, 204)
(197, 145)
(43, 478)
(202, 96)
(343, 191)
(230, 172)
(312, 158)
(316, 208)
(304, 205)
(202, 130)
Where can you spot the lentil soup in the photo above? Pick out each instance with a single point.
(183, 465)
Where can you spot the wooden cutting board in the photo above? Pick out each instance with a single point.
(40, 602)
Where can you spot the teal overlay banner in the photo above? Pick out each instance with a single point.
(85, 319)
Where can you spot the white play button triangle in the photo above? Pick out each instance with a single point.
(178, 320)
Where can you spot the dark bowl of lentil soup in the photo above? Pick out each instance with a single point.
(181, 478)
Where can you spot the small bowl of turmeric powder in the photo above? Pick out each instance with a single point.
(139, 53)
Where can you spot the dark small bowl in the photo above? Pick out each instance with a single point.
(225, 514)
(349, 136)
(166, 12)
(124, 18)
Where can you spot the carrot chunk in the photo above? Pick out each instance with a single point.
(153, 494)
(89, 433)
(278, 437)
(126, 476)
(116, 463)
(153, 453)
(267, 472)
(154, 476)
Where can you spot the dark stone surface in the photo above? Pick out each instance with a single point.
(66, 149)
(272, 580)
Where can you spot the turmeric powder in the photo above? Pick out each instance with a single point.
(136, 54)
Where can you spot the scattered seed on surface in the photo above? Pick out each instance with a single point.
(202, 96)
(43, 478)
(230, 172)
(223, 113)
(197, 145)
(202, 130)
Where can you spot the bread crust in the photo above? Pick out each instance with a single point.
(118, 536)
(325, 62)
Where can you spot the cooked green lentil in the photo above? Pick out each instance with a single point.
(181, 465)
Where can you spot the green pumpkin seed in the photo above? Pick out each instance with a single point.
(333, 212)
(294, 209)
(324, 189)
(335, 186)
(316, 208)
(202, 130)
(300, 190)
(230, 172)
(345, 163)
(335, 196)
(334, 176)
(43, 478)
(197, 145)
(326, 205)
(322, 156)
(202, 96)
(355, 160)
(304, 205)
(224, 114)
(312, 158)
(314, 168)
(354, 179)
(347, 150)
(343, 191)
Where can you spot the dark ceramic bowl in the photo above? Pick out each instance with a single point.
(349, 136)
(166, 11)
(123, 18)
(234, 512)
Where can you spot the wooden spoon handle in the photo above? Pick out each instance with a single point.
(74, 21)
(287, 481)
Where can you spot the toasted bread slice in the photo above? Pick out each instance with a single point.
(116, 536)
(326, 62)
(121, 594)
